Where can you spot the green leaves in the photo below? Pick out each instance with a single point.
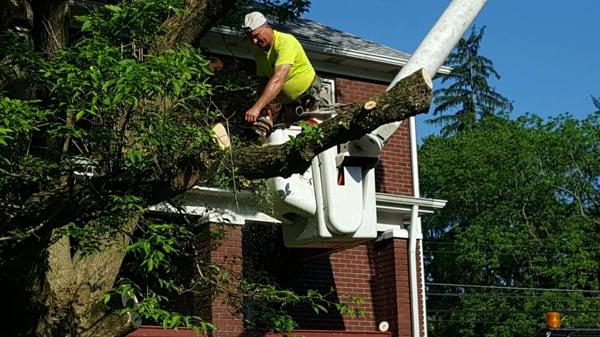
(132, 22)
(158, 103)
(19, 119)
(519, 219)
(112, 127)
(20, 168)
(151, 307)
(310, 134)
(160, 242)
(270, 305)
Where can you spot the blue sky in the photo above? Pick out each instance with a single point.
(547, 51)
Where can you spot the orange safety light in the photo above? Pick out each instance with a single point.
(553, 320)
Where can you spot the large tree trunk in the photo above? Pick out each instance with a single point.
(73, 286)
(50, 25)
(198, 18)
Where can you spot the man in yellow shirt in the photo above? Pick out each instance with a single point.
(292, 79)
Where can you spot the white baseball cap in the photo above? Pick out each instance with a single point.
(254, 20)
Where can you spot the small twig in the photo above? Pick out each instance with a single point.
(30, 231)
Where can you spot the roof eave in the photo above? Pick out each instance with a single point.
(333, 50)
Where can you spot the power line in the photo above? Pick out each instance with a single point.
(510, 323)
(485, 244)
(517, 254)
(510, 288)
(501, 296)
(512, 311)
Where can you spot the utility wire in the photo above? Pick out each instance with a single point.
(510, 288)
(503, 323)
(494, 296)
(512, 311)
(528, 254)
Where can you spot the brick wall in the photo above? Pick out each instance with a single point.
(349, 272)
(393, 174)
(377, 272)
(394, 303)
(227, 253)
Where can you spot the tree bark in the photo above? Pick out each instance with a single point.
(73, 287)
(50, 26)
(409, 97)
(198, 17)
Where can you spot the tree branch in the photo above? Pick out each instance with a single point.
(409, 97)
(27, 233)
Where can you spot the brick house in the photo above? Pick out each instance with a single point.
(388, 271)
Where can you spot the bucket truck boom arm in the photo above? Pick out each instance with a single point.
(429, 56)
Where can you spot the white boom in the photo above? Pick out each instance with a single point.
(435, 48)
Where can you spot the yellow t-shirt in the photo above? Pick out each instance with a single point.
(286, 50)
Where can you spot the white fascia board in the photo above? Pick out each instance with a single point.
(216, 205)
(393, 213)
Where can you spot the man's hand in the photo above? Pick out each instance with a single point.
(252, 114)
(271, 90)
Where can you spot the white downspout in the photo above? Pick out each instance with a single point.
(423, 296)
(414, 232)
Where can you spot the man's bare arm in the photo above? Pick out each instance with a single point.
(271, 90)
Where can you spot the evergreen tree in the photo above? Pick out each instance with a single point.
(469, 95)
(596, 102)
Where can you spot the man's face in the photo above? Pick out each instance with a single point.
(261, 37)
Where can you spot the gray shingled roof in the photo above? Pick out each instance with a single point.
(330, 50)
(337, 41)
